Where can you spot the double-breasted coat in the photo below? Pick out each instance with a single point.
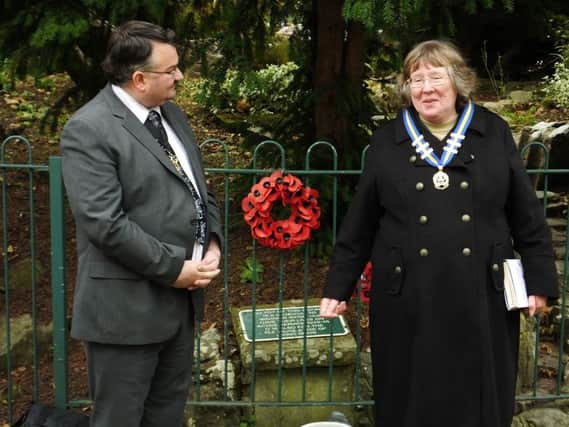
(444, 347)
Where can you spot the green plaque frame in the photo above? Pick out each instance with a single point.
(267, 322)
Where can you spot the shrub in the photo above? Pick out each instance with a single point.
(556, 87)
(267, 90)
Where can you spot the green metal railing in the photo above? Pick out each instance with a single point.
(28, 168)
(224, 178)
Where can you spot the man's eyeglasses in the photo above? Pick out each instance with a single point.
(419, 82)
(171, 73)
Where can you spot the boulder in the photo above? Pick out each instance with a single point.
(497, 106)
(20, 274)
(541, 417)
(21, 340)
(526, 355)
(542, 138)
(521, 96)
(216, 377)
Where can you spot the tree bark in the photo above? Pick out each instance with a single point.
(330, 120)
(338, 73)
(354, 62)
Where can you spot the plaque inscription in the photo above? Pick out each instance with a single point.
(291, 323)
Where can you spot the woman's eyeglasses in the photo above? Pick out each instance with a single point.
(419, 82)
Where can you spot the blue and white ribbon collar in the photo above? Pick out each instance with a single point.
(454, 142)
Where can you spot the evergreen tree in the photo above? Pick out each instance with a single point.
(42, 37)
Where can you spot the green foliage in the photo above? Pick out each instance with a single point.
(46, 37)
(560, 26)
(517, 118)
(240, 32)
(58, 29)
(6, 80)
(266, 91)
(251, 271)
(384, 96)
(360, 10)
(556, 87)
(277, 51)
(388, 14)
(28, 112)
(248, 421)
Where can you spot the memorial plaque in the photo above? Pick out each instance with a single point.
(291, 322)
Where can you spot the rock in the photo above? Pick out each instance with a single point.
(541, 417)
(557, 223)
(20, 274)
(562, 130)
(557, 320)
(365, 414)
(550, 137)
(21, 339)
(526, 356)
(208, 345)
(497, 106)
(521, 96)
(551, 196)
(212, 385)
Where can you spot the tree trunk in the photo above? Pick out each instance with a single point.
(354, 62)
(330, 119)
(338, 73)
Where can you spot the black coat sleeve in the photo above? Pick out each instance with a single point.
(530, 233)
(355, 239)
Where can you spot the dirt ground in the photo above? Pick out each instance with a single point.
(20, 300)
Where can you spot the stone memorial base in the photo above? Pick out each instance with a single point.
(293, 358)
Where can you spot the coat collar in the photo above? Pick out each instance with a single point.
(465, 155)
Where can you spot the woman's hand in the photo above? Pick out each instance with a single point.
(537, 304)
(330, 308)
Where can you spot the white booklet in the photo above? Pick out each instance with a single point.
(515, 291)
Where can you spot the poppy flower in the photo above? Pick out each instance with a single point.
(292, 183)
(248, 203)
(260, 192)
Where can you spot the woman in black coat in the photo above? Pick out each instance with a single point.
(442, 201)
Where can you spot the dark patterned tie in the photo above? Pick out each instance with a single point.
(154, 125)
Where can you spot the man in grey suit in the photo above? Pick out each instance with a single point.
(148, 233)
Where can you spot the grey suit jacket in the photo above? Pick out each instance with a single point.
(133, 214)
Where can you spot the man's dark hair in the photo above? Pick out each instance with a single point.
(130, 47)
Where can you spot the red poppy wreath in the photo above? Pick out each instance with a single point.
(304, 211)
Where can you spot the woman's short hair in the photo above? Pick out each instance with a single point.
(130, 47)
(438, 53)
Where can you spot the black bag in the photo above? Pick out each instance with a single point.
(40, 415)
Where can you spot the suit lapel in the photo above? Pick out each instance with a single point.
(133, 125)
(137, 129)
